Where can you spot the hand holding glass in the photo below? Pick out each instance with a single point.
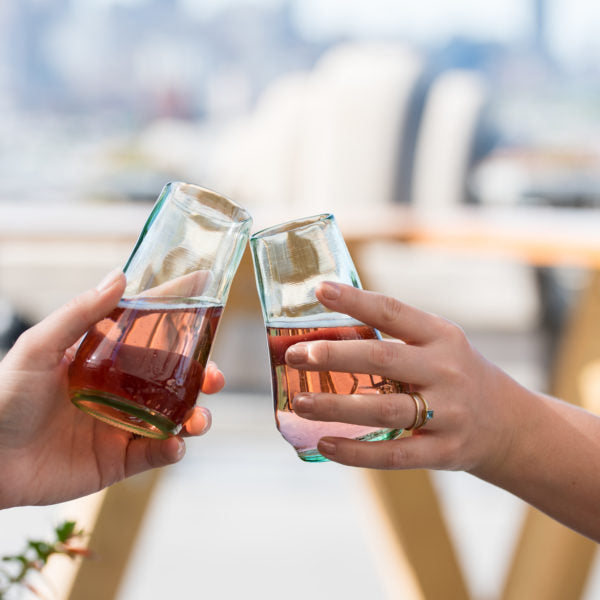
(289, 261)
(142, 367)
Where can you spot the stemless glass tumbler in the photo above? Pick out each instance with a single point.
(142, 367)
(289, 261)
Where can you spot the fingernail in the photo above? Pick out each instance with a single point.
(326, 447)
(109, 280)
(330, 290)
(207, 419)
(180, 448)
(215, 367)
(303, 403)
(296, 354)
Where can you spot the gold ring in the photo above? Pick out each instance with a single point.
(416, 399)
(424, 413)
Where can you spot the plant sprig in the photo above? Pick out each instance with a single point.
(35, 556)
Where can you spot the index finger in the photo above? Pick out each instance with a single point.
(387, 314)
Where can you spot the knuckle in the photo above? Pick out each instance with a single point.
(456, 372)
(328, 407)
(78, 306)
(320, 352)
(454, 414)
(452, 332)
(454, 346)
(26, 339)
(388, 411)
(153, 456)
(390, 309)
(353, 454)
(451, 372)
(396, 458)
(149, 455)
(381, 354)
(28, 342)
(451, 454)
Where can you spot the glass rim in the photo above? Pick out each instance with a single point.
(291, 225)
(239, 213)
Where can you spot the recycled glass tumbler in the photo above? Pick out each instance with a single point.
(141, 368)
(289, 261)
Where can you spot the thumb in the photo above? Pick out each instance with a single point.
(145, 453)
(61, 329)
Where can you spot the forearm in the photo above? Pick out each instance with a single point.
(553, 461)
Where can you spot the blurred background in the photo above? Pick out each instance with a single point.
(295, 107)
(106, 99)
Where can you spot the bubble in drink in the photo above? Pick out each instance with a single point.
(304, 434)
(147, 358)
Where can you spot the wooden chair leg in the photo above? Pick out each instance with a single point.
(113, 537)
(551, 561)
(411, 509)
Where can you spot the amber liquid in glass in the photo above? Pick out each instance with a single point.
(141, 368)
(301, 433)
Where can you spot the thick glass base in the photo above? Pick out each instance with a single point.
(313, 455)
(124, 414)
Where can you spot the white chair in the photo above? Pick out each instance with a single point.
(255, 159)
(449, 127)
(327, 140)
(480, 293)
(356, 117)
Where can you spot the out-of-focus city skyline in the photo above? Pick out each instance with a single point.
(76, 73)
(150, 56)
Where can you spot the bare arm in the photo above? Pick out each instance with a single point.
(539, 448)
(554, 462)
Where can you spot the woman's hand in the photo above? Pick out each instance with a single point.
(472, 399)
(541, 449)
(50, 451)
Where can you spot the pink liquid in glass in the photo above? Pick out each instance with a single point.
(301, 433)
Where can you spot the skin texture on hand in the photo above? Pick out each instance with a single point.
(50, 451)
(539, 448)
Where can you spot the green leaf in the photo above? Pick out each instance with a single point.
(16, 558)
(42, 549)
(35, 556)
(65, 531)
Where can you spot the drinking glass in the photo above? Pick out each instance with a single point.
(289, 261)
(141, 368)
